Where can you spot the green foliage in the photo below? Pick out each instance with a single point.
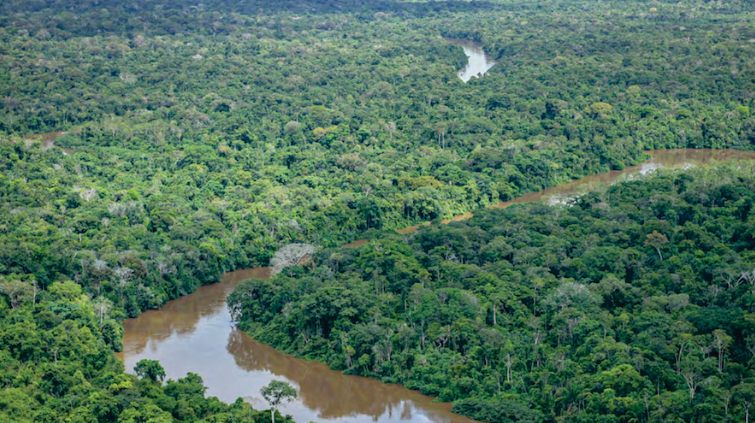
(150, 370)
(497, 411)
(202, 145)
(277, 393)
(206, 137)
(55, 366)
(620, 304)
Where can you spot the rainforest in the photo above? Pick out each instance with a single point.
(149, 147)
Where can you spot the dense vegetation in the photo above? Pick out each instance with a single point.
(56, 366)
(207, 135)
(633, 304)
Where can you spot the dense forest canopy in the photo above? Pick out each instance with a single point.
(632, 304)
(57, 364)
(206, 136)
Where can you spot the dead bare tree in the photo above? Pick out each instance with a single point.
(102, 306)
(88, 194)
(16, 291)
(123, 274)
(291, 255)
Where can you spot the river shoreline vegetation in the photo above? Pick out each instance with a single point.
(208, 136)
(57, 365)
(630, 304)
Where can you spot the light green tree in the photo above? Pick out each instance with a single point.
(277, 393)
(656, 240)
(16, 291)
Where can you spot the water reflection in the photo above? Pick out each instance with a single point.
(659, 159)
(195, 333)
(181, 318)
(48, 140)
(478, 63)
(188, 335)
(347, 398)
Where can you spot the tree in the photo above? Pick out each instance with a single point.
(744, 395)
(251, 401)
(291, 255)
(693, 375)
(656, 240)
(293, 129)
(497, 411)
(600, 108)
(35, 288)
(150, 369)
(16, 291)
(721, 341)
(88, 194)
(69, 291)
(391, 128)
(277, 393)
(123, 274)
(102, 305)
(440, 129)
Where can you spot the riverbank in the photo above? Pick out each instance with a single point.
(198, 329)
(502, 312)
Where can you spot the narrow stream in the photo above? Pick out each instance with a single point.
(195, 333)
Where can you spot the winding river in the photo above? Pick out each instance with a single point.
(195, 333)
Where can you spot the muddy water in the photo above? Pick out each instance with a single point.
(48, 140)
(195, 333)
(659, 159)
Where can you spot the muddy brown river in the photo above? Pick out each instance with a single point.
(195, 334)
(48, 140)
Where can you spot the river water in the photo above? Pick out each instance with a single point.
(195, 333)
(48, 140)
(478, 62)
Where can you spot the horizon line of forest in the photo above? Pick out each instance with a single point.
(210, 136)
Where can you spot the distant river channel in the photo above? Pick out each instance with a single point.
(195, 334)
(48, 140)
(478, 63)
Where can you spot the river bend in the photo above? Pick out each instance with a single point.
(195, 333)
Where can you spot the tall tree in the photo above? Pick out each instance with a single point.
(277, 393)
